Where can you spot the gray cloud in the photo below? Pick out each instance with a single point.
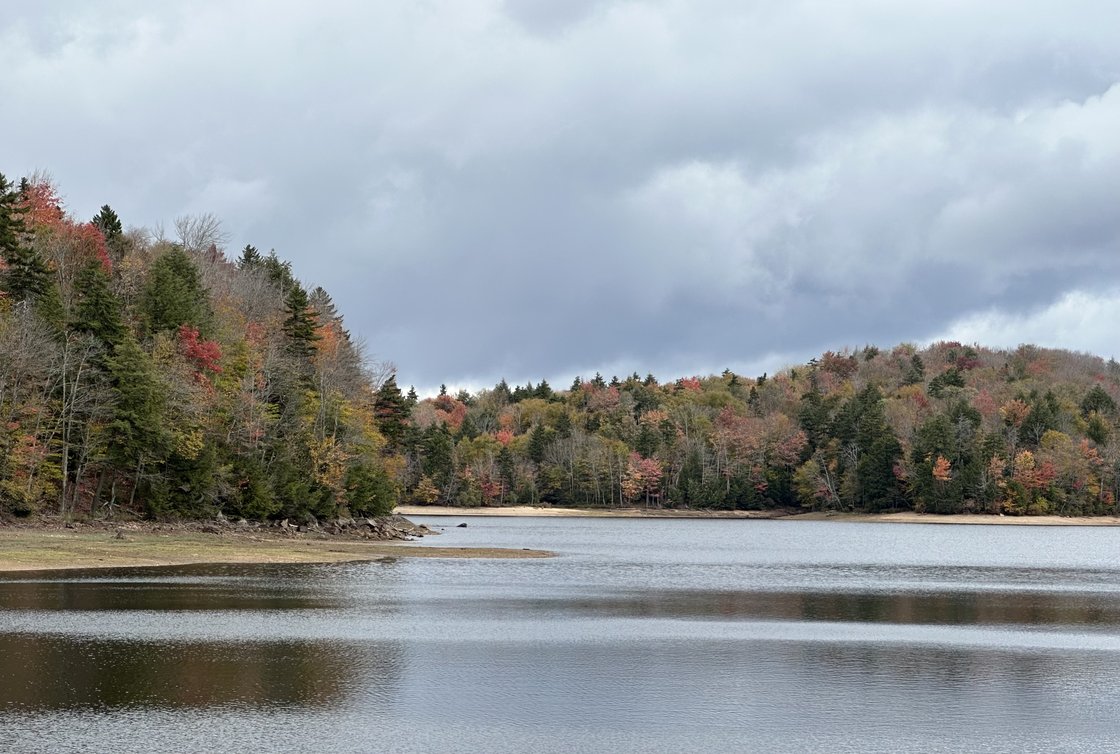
(527, 189)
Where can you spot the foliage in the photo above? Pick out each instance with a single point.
(165, 380)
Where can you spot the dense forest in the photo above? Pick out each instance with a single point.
(946, 429)
(147, 373)
(155, 376)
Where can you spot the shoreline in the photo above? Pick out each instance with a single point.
(903, 517)
(24, 549)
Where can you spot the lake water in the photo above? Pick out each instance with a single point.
(641, 635)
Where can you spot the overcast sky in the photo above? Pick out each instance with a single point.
(545, 188)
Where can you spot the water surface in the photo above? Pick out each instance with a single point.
(641, 635)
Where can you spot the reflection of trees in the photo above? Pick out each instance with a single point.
(61, 673)
(941, 608)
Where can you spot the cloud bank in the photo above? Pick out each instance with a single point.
(534, 189)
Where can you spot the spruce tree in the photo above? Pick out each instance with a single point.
(137, 434)
(11, 219)
(110, 226)
(174, 295)
(392, 411)
(97, 311)
(250, 258)
(299, 325)
(25, 277)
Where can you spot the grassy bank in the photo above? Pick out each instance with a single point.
(23, 549)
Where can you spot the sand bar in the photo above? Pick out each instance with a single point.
(29, 549)
(906, 517)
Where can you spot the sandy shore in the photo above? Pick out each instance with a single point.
(898, 518)
(527, 510)
(27, 549)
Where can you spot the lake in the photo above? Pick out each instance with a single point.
(644, 635)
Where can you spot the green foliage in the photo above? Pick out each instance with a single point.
(174, 296)
(299, 324)
(369, 491)
(97, 311)
(1098, 401)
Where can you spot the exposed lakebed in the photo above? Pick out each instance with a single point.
(641, 635)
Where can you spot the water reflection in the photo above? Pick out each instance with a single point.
(954, 608)
(70, 663)
(654, 638)
(53, 673)
(199, 587)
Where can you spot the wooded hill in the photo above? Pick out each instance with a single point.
(946, 429)
(156, 375)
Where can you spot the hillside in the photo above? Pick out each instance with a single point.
(945, 429)
(159, 376)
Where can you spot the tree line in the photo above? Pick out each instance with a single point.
(154, 374)
(945, 429)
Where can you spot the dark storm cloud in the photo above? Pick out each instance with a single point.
(527, 188)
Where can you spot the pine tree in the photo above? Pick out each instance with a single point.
(279, 272)
(137, 435)
(11, 219)
(174, 295)
(24, 276)
(110, 226)
(97, 310)
(538, 443)
(299, 326)
(250, 258)
(392, 411)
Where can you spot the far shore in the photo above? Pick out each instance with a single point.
(905, 517)
(45, 549)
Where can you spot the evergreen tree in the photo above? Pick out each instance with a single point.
(11, 220)
(137, 434)
(24, 276)
(299, 325)
(506, 470)
(538, 444)
(250, 258)
(502, 393)
(279, 272)
(174, 296)
(437, 462)
(97, 311)
(392, 411)
(564, 426)
(1098, 401)
(110, 226)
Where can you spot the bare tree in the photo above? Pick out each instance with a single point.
(197, 233)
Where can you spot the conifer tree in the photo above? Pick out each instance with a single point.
(174, 295)
(97, 311)
(299, 325)
(392, 411)
(250, 258)
(137, 435)
(24, 277)
(110, 226)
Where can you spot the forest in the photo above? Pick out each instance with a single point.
(148, 373)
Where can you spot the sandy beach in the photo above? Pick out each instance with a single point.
(906, 517)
